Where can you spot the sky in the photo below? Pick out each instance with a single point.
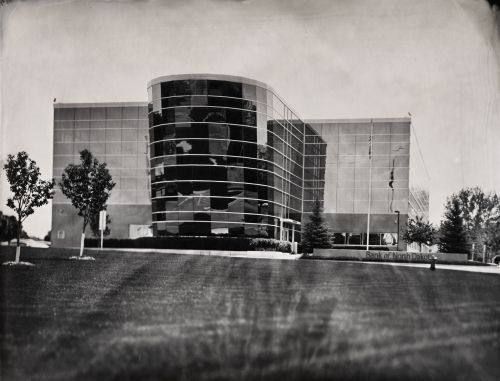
(437, 59)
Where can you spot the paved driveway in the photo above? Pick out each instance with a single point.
(491, 269)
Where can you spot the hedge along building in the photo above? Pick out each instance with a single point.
(226, 156)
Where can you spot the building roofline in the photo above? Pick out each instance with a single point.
(102, 104)
(223, 77)
(218, 77)
(405, 119)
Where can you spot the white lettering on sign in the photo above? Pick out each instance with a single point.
(399, 256)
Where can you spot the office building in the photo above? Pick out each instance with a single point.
(399, 180)
(225, 155)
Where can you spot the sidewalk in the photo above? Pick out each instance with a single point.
(492, 269)
(215, 253)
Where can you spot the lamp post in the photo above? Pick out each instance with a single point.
(397, 240)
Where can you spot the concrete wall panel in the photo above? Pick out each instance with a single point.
(65, 219)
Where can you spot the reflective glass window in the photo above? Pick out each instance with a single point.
(113, 113)
(64, 113)
(236, 132)
(97, 135)
(218, 131)
(113, 135)
(130, 112)
(64, 124)
(63, 149)
(183, 131)
(129, 148)
(250, 134)
(200, 146)
(82, 113)
(201, 187)
(229, 89)
(199, 131)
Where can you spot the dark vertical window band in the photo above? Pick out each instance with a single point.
(314, 167)
(220, 164)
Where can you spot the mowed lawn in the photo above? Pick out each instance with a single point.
(152, 316)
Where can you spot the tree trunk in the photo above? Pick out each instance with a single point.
(82, 240)
(18, 248)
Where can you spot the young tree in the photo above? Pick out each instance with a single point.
(452, 234)
(316, 233)
(88, 186)
(419, 231)
(29, 190)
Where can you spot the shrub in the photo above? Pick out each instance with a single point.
(262, 244)
(361, 247)
(316, 233)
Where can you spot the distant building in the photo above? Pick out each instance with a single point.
(217, 154)
(399, 180)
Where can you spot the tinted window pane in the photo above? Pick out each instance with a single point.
(229, 89)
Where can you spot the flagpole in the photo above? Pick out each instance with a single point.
(370, 145)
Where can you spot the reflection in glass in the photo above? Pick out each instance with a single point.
(212, 158)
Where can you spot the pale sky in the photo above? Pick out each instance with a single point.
(438, 59)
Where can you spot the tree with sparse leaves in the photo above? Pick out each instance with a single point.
(316, 233)
(419, 231)
(452, 232)
(29, 191)
(88, 186)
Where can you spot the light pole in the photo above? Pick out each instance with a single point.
(397, 239)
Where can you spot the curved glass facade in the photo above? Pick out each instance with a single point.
(227, 157)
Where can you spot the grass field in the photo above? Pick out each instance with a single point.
(154, 316)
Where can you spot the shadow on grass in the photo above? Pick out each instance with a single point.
(147, 316)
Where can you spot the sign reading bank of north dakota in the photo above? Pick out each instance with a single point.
(399, 256)
(388, 256)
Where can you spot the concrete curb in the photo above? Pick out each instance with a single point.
(215, 253)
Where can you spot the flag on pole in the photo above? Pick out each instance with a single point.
(370, 143)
